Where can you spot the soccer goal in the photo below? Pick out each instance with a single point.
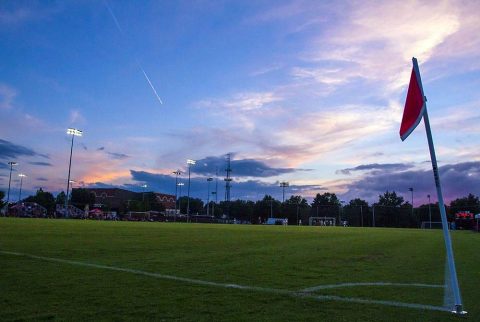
(431, 225)
(322, 221)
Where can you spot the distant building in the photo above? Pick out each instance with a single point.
(116, 199)
(168, 201)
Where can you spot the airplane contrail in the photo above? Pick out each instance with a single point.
(151, 85)
(112, 14)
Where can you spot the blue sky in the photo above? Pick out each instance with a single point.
(309, 92)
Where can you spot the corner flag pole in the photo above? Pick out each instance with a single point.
(441, 205)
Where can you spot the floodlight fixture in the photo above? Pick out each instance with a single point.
(283, 185)
(180, 184)
(192, 162)
(22, 175)
(74, 132)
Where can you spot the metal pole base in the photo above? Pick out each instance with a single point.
(458, 310)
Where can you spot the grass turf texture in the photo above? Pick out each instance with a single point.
(287, 258)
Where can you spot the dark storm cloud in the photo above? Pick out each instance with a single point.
(376, 167)
(249, 190)
(40, 163)
(9, 150)
(240, 168)
(457, 180)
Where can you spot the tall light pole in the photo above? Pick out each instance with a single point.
(176, 173)
(189, 164)
(429, 211)
(411, 190)
(208, 195)
(283, 185)
(11, 163)
(180, 184)
(271, 207)
(74, 133)
(298, 204)
(21, 175)
(143, 196)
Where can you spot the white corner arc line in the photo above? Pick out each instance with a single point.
(234, 286)
(331, 286)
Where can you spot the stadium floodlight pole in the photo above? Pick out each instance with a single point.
(283, 185)
(11, 163)
(180, 184)
(361, 213)
(411, 190)
(298, 203)
(143, 196)
(429, 211)
(189, 163)
(208, 195)
(271, 207)
(176, 173)
(74, 133)
(373, 215)
(21, 175)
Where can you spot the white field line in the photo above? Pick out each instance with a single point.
(301, 294)
(330, 286)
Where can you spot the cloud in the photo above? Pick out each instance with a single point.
(41, 179)
(7, 95)
(376, 166)
(76, 117)
(9, 150)
(246, 101)
(250, 189)
(375, 41)
(101, 148)
(15, 13)
(40, 163)
(118, 156)
(457, 180)
(240, 168)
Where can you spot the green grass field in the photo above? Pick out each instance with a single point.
(273, 263)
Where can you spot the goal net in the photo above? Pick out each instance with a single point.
(431, 225)
(322, 221)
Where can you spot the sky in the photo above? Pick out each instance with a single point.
(307, 92)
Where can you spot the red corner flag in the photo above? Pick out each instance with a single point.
(414, 104)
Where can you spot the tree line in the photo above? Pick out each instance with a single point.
(390, 210)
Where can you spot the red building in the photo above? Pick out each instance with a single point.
(116, 199)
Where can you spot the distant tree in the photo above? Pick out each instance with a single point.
(469, 203)
(196, 205)
(392, 211)
(296, 208)
(60, 199)
(265, 208)
(326, 199)
(357, 212)
(43, 198)
(326, 205)
(2, 195)
(242, 210)
(81, 197)
(390, 199)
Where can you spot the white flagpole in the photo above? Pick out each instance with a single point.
(446, 234)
